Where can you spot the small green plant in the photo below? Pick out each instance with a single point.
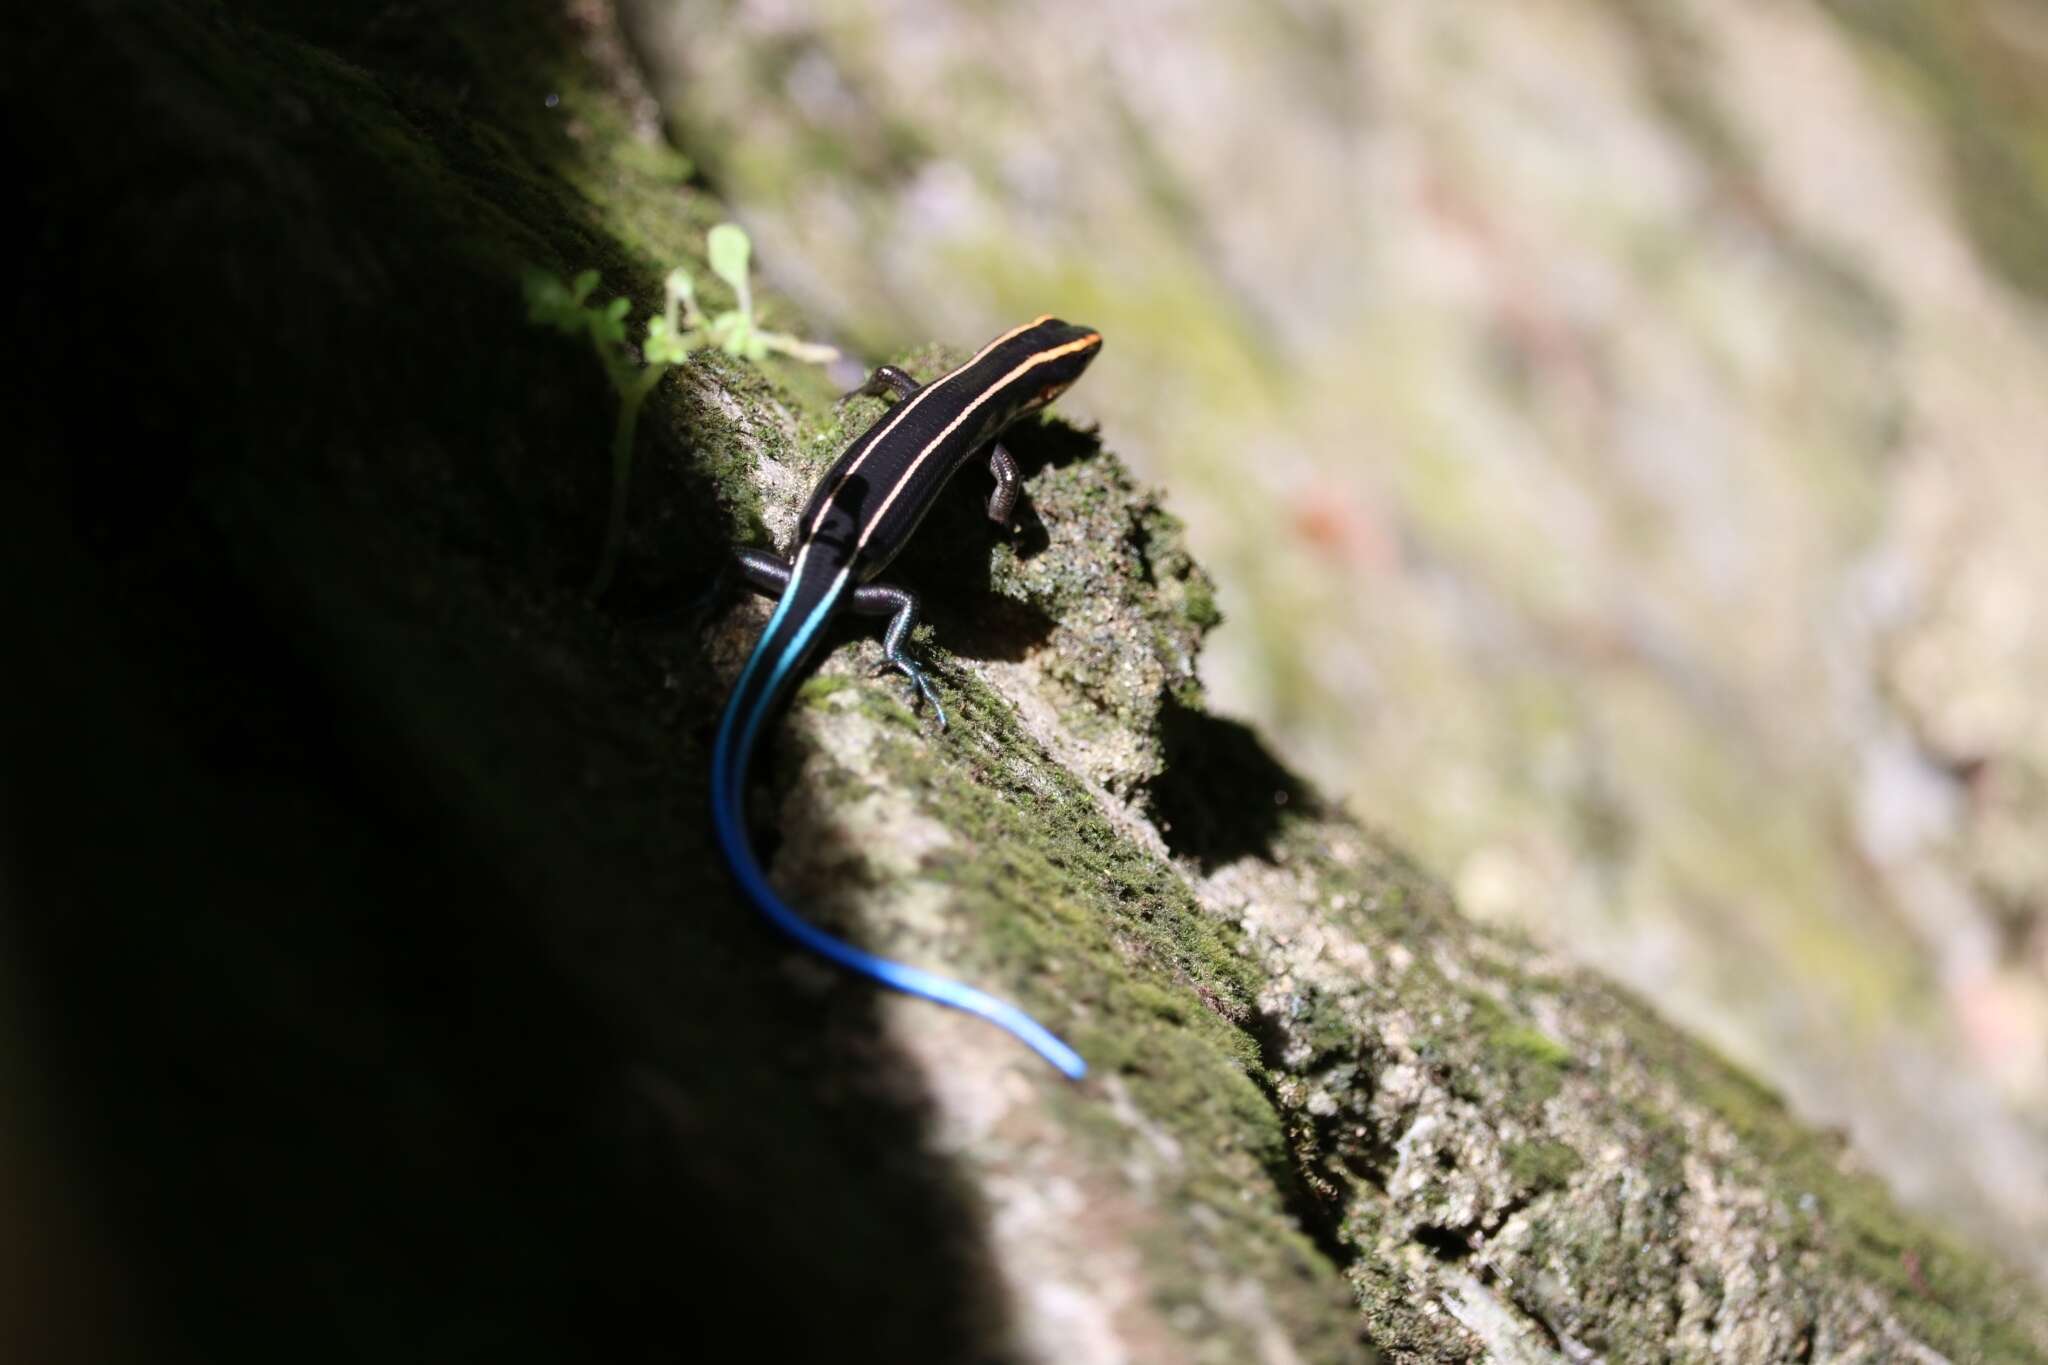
(680, 329)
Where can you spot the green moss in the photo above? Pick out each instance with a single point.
(1963, 1305)
(1327, 1028)
(657, 162)
(1057, 842)
(1539, 1166)
(1531, 1047)
(1104, 942)
(820, 688)
(1531, 1063)
(1201, 608)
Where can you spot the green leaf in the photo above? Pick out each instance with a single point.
(582, 286)
(610, 323)
(547, 299)
(728, 247)
(730, 330)
(664, 346)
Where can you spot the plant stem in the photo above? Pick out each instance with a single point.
(633, 391)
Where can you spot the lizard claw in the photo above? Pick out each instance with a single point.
(916, 675)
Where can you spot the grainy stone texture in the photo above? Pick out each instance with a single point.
(393, 1002)
(1615, 426)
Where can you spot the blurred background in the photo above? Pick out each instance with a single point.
(1619, 431)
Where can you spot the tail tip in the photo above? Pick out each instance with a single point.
(1068, 1062)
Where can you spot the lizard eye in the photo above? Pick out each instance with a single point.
(1050, 392)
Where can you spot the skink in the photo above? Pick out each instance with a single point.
(859, 517)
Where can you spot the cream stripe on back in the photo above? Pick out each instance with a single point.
(1043, 357)
(904, 409)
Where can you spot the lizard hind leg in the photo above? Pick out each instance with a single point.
(765, 573)
(900, 606)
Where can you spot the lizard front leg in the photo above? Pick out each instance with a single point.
(883, 380)
(1003, 501)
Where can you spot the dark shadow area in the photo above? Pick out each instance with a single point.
(952, 546)
(1050, 443)
(1223, 795)
(984, 626)
(375, 959)
(994, 627)
(1040, 445)
(1449, 1245)
(947, 562)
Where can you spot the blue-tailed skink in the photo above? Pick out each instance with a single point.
(861, 514)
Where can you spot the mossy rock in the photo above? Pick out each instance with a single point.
(391, 995)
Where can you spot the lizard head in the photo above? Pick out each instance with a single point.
(1055, 353)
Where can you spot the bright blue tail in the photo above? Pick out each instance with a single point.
(781, 650)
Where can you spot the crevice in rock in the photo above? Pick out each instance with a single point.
(1315, 1196)
(1449, 1245)
(1453, 1243)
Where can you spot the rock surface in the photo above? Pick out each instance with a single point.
(1616, 429)
(383, 989)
